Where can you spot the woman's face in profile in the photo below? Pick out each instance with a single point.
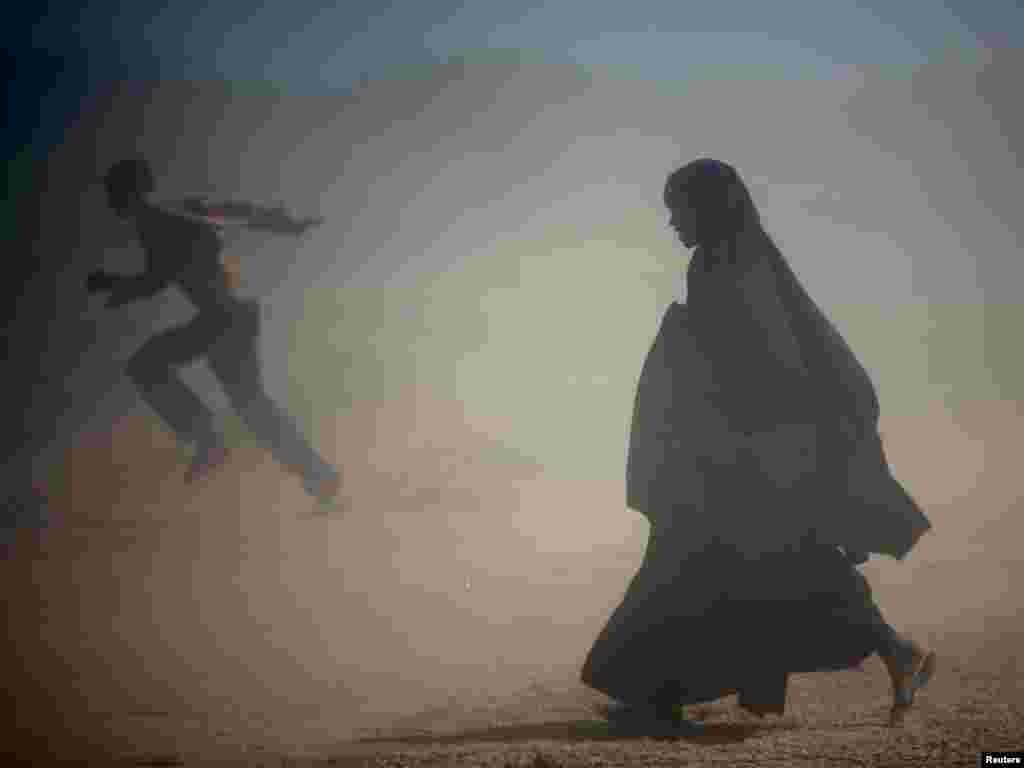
(683, 220)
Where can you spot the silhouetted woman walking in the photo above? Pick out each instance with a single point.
(755, 455)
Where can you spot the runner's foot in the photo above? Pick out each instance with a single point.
(326, 493)
(206, 461)
(324, 489)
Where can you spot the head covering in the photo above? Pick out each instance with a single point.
(128, 180)
(776, 359)
(716, 194)
(726, 214)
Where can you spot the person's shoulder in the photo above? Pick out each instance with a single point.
(728, 260)
(176, 218)
(751, 255)
(163, 215)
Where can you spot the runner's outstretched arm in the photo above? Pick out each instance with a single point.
(276, 220)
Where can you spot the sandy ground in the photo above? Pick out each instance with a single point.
(440, 617)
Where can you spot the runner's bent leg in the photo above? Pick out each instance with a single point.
(153, 370)
(235, 361)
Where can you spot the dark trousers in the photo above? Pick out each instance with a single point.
(229, 340)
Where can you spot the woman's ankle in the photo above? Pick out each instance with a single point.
(899, 653)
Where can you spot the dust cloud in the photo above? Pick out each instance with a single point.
(443, 578)
(453, 572)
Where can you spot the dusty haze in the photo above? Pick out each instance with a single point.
(462, 336)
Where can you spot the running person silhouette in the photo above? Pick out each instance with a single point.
(183, 247)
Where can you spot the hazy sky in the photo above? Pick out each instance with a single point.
(306, 42)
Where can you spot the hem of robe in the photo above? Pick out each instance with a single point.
(668, 632)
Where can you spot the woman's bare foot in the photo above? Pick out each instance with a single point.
(907, 678)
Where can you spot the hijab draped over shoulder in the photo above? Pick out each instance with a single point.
(751, 348)
(755, 319)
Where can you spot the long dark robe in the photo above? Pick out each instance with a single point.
(743, 581)
(776, 360)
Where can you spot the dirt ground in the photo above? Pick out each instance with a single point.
(440, 617)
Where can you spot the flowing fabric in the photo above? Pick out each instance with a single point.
(744, 581)
(778, 362)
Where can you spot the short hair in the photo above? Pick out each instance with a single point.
(129, 178)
